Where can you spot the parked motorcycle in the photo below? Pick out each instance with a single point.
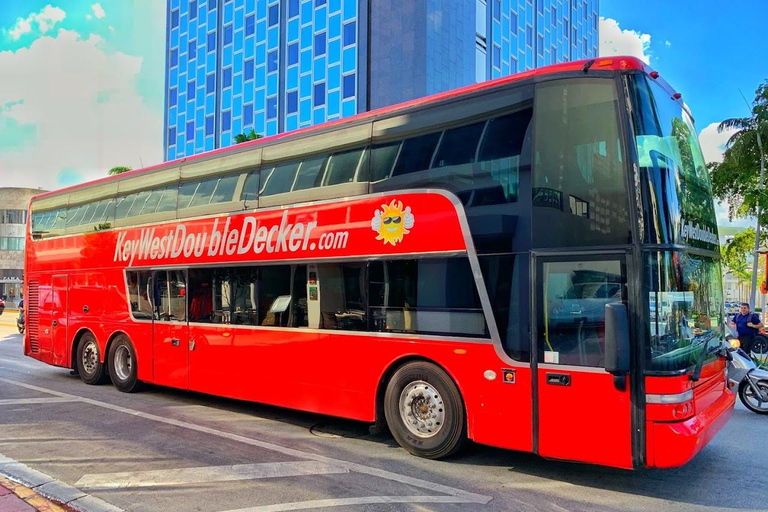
(751, 380)
(20, 322)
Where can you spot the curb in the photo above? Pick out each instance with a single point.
(31, 498)
(45, 494)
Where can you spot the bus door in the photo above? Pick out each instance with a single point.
(59, 305)
(584, 413)
(170, 331)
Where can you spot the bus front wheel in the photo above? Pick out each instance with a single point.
(424, 411)
(89, 365)
(122, 365)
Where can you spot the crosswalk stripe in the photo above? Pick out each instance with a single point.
(24, 401)
(181, 476)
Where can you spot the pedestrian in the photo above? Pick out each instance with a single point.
(747, 326)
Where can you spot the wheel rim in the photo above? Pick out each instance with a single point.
(90, 356)
(421, 409)
(123, 362)
(754, 400)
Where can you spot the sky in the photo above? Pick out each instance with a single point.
(81, 82)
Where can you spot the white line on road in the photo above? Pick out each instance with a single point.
(454, 495)
(180, 476)
(339, 502)
(49, 400)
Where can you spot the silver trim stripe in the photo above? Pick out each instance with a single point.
(679, 398)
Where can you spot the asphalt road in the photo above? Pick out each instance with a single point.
(163, 450)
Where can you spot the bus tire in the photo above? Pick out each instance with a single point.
(89, 365)
(122, 365)
(424, 411)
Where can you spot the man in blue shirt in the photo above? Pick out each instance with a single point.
(747, 325)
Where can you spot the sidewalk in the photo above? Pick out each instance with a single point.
(17, 498)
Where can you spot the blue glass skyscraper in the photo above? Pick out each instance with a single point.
(278, 65)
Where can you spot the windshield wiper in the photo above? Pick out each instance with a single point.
(704, 353)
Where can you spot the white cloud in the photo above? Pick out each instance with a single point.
(667, 44)
(22, 27)
(72, 112)
(98, 10)
(45, 20)
(615, 41)
(713, 143)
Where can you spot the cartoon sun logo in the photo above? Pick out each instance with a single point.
(392, 222)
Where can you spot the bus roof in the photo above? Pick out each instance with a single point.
(598, 64)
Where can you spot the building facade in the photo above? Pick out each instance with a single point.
(271, 66)
(13, 220)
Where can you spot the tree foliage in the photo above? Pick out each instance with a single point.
(118, 170)
(736, 179)
(243, 137)
(735, 253)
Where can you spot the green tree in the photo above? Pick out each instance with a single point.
(736, 178)
(118, 170)
(240, 138)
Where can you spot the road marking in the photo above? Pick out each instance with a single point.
(131, 479)
(454, 495)
(340, 502)
(47, 486)
(23, 401)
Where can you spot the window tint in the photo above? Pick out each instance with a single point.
(280, 179)
(416, 154)
(506, 280)
(310, 173)
(74, 215)
(382, 159)
(137, 283)
(150, 205)
(459, 145)
(225, 189)
(430, 296)
(203, 192)
(168, 199)
(340, 291)
(572, 297)
(481, 163)
(124, 206)
(89, 211)
(105, 211)
(169, 296)
(501, 157)
(579, 194)
(186, 191)
(342, 167)
(139, 203)
(251, 188)
(274, 295)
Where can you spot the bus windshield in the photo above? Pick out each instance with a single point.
(686, 308)
(677, 190)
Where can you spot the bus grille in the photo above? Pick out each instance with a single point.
(33, 316)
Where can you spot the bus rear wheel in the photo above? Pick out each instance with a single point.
(122, 365)
(89, 365)
(424, 411)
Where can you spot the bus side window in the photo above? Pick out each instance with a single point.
(170, 296)
(138, 297)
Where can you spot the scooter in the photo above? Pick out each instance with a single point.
(20, 322)
(751, 380)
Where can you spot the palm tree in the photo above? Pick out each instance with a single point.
(744, 148)
(243, 137)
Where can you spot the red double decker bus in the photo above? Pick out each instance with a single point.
(531, 263)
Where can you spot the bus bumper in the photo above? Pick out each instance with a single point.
(671, 445)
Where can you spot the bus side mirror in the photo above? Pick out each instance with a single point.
(617, 347)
